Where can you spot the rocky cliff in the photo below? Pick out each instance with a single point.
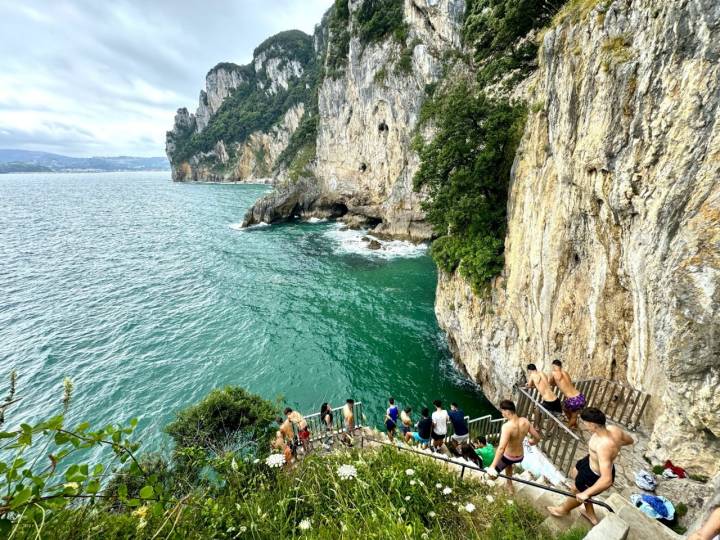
(612, 253)
(246, 115)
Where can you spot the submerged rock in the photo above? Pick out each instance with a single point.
(374, 244)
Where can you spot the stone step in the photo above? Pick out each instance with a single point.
(611, 527)
(640, 525)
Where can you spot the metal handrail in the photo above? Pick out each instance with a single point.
(492, 427)
(483, 470)
(547, 413)
(317, 426)
(629, 414)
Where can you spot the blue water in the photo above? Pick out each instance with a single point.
(146, 294)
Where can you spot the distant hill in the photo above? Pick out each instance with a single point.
(31, 161)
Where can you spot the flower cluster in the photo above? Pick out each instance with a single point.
(305, 524)
(347, 472)
(409, 472)
(275, 460)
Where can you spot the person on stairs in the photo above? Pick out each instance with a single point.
(574, 399)
(424, 429)
(440, 420)
(460, 434)
(300, 427)
(485, 451)
(710, 529)
(550, 402)
(326, 420)
(406, 421)
(349, 418)
(595, 472)
(510, 448)
(391, 418)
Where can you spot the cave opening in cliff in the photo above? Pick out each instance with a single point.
(382, 126)
(363, 167)
(338, 209)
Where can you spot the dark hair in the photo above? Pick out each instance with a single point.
(468, 452)
(279, 419)
(453, 404)
(557, 363)
(288, 410)
(323, 409)
(351, 402)
(425, 411)
(531, 367)
(392, 401)
(437, 403)
(481, 440)
(507, 405)
(594, 415)
(408, 410)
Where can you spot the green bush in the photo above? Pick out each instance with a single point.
(378, 19)
(466, 170)
(339, 42)
(230, 419)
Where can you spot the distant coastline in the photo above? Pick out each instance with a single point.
(27, 161)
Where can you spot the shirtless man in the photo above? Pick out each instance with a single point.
(595, 472)
(349, 417)
(283, 441)
(574, 400)
(298, 421)
(510, 448)
(550, 402)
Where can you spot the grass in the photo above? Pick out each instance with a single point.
(576, 11)
(393, 495)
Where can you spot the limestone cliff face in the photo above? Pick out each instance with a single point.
(368, 116)
(613, 244)
(218, 142)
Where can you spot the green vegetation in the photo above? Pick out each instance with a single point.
(250, 107)
(378, 19)
(339, 42)
(616, 50)
(575, 11)
(230, 489)
(466, 170)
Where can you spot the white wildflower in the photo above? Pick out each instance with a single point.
(431, 514)
(401, 510)
(490, 498)
(409, 472)
(439, 486)
(304, 525)
(243, 529)
(447, 491)
(424, 536)
(469, 507)
(413, 482)
(509, 502)
(275, 460)
(256, 461)
(347, 472)
(407, 497)
(234, 465)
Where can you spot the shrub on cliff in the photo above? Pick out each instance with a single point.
(375, 20)
(465, 169)
(227, 420)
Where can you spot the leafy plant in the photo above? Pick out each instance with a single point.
(377, 19)
(465, 169)
(339, 39)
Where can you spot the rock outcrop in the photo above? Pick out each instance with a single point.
(246, 115)
(612, 255)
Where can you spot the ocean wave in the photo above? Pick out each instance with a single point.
(239, 227)
(316, 220)
(355, 241)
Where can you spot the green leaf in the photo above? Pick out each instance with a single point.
(21, 498)
(147, 492)
(158, 509)
(7, 434)
(122, 491)
(5, 527)
(83, 427)
(93, 486)
(61, 438)
(133, 422)
(133, 502)
(98, 469)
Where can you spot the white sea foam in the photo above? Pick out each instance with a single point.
(317, 220)
(239, 227)
(351, 241)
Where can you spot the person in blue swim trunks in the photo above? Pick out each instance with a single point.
(424, 429)
(391, 418)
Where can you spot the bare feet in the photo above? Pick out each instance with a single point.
(592, 518)
(556, 511)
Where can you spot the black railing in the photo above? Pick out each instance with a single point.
(467, 465)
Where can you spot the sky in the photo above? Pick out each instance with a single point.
(105, 77)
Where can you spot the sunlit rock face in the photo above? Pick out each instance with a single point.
(613, 244)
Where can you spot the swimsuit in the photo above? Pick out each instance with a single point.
(574, 404)
(553, 406)
(391, 423)
(586, 477)
(506, 461)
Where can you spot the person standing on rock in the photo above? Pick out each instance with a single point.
(574, 399)
(510, 448)
(595, 472)
(391, 418)
(550, 402)
(440, 420)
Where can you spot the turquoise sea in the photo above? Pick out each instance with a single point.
(147, 295)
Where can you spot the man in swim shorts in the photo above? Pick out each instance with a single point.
(391, 418)
(550, 402)
(424, 429)
(349, 418)
(405, 421)
(595, 472)
(460, 428)
(574, 400)
(300, 426)
(510, 448)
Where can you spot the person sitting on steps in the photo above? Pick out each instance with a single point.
(484, 450)
(595, 472)
(574, 399)
(510, 448)
(424, 429)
